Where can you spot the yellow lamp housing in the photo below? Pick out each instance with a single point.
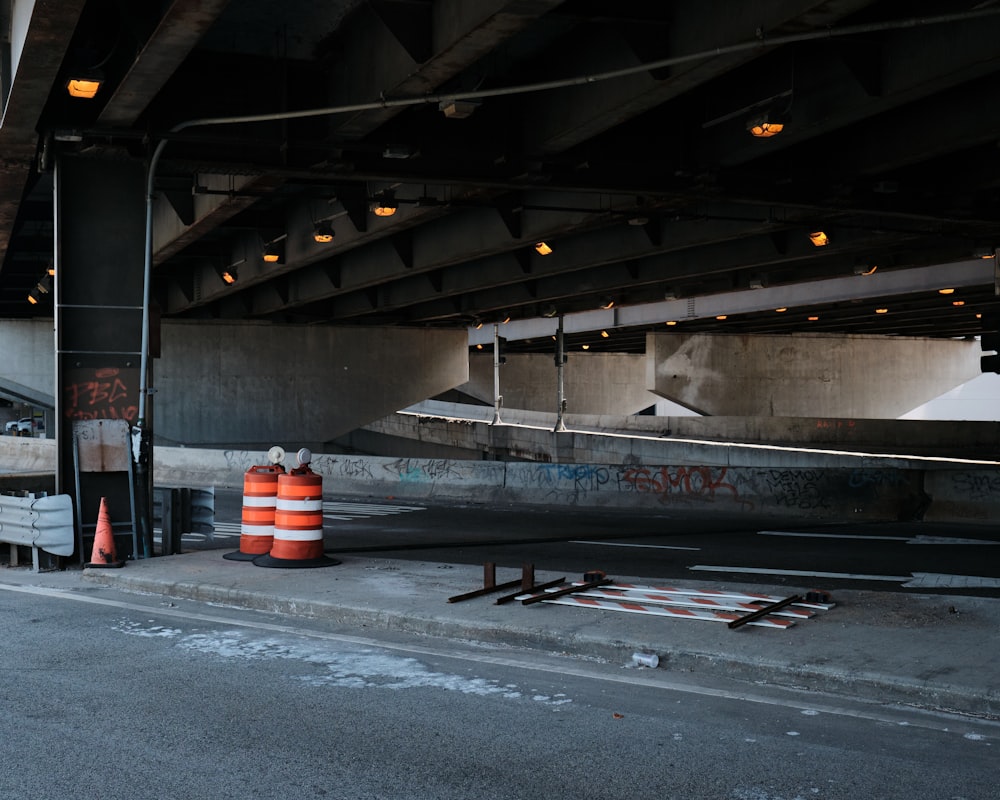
(84, 87)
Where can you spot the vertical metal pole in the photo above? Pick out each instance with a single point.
(497, 398)
(560, 386)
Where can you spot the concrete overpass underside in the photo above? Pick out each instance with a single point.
(231, 262)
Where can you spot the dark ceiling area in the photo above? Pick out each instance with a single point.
(617, 133)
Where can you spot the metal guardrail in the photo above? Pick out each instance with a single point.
(41, 523)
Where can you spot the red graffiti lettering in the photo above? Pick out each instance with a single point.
(101, 393)
(692, 482)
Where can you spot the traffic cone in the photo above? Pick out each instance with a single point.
(103, 554)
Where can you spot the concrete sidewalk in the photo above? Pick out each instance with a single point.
(931, 651)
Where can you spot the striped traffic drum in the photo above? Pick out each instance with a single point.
(298, 522)
(260, 495)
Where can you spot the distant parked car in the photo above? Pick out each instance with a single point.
(20, 427)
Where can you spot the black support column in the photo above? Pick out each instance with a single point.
(100, 235)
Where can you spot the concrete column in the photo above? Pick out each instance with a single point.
(595, 383)
(229, 384)
(805, 375)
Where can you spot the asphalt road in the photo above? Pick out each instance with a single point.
(907, 557)
(132, 697)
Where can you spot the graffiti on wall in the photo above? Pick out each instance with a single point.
(797, 488)
(977, 486)
(663, 484)
(101, 393)
(793, 489)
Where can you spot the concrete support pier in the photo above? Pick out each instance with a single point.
(806, 375)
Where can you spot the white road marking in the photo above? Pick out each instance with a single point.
(625, 544)
(946, 540)
(916, 580)
(345, 512)
(921, 539)
(796, 534)
(930, 580)
(802, 573)
(532, 661)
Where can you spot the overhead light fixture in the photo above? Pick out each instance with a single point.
(33, 297)
(813, 318)
(864, 268)
(881, 310)
(605, 334)
(274, 252)
(958, 302)
(229, 276)
(398, 151)
(477, 323)
(506, 319)
(984, 250)
(584, 346)
(543, 248)
(85, 85)
(608, 302)
(946, 291)
(457, 109)
(550, 311)
(781, 310)
(671, 322)
(766, 125)
(385, 204)
(721, 317)
(819, 238)
(323, 232)
(479, 347)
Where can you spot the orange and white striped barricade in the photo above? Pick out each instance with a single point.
(260, 496)
(298, 523)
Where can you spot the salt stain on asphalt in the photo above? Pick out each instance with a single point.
(356, 667)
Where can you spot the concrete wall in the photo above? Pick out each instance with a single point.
(806, 375)
(594, 383)
(461, 427)
(239, 383)
(243, 383)
(859, 493)
(27, 368)
(834, 494)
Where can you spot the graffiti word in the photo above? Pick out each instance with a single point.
(100, 394)
(796, 488)
(700, 483)
(572, 478)
(977, 485)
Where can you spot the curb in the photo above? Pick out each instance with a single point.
(868, 686)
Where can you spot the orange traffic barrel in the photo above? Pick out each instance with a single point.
(298, 523)
(260, 496)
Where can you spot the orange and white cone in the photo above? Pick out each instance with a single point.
(103, 554)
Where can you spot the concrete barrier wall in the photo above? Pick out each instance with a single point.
(882, 493)
(968, 495)
(825, 494)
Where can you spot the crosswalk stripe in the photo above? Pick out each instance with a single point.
(341, 511)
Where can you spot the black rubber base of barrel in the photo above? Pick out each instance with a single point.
(239, 555)
(294, 563)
